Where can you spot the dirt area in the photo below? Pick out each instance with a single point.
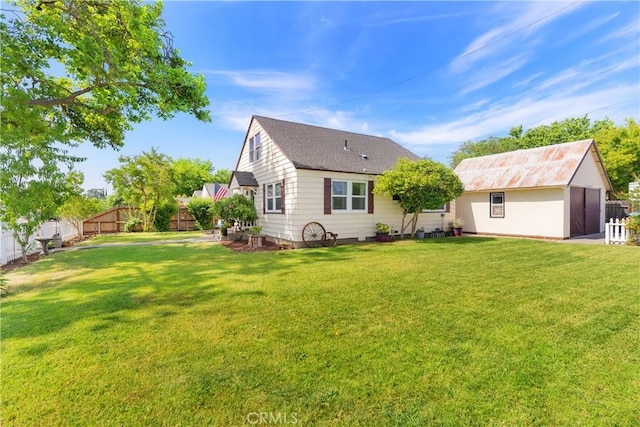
(17, 263)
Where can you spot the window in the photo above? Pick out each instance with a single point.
(273, 197)
(255, 148)
(496, 202)
(349, 196)
(443, 208)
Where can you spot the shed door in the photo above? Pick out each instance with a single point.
(576, 212)
(584, 211)
(592, 210)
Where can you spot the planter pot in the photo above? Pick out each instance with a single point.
(224, 231)
(457, 232)
(420, 234)
(383, 237)
(57, 241)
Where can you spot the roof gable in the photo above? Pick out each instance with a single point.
(318, 148)
(553, 165)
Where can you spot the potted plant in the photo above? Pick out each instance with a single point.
(420, 233)
(382, 232)
(457, 224)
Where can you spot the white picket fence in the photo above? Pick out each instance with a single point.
(616, 232)
(10, 249)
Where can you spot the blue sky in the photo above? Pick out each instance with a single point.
(429, 75)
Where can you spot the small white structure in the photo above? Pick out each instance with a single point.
(616, 232)
(553, 192)
(297, 173)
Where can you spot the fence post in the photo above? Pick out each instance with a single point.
(607, 231)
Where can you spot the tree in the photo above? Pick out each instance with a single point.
(202, 210)
(78, 208)
(419, 185)
(222, 176)
(32, 189)
(144, 181)
(235, 208)
(190, 175)
(620, 149)
(86, 70)
(75, 71)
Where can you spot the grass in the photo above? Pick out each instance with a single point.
(140, 237)
(469, 331)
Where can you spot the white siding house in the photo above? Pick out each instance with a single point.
(297, 174)
(553, 192)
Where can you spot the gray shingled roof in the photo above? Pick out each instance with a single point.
(245, 179)
(317, 148)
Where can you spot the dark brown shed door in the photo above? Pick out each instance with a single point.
(584, 211)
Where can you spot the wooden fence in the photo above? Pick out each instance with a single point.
(113, 221)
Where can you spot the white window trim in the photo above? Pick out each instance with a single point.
(491, 205)
(349, 196)
(273, 198)
(442, 209)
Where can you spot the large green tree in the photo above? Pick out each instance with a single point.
(75, 71)
(419, 185)
(79, 207)
(145, 182)
(190, 175)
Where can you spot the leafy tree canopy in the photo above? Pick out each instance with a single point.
(85, 70)
(144, 181)
(619, 146)
(235, 208)
(419, 185)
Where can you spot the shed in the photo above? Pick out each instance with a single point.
(554, 192)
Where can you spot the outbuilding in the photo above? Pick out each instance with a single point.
(553, 192)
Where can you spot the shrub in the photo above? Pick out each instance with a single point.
(132, 224)
(202, 211)
(163, 216)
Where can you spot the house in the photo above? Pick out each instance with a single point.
(214, 191)
(553, 192)
(298, 173)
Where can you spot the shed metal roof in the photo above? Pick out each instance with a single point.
(318, 148)
(550, 166)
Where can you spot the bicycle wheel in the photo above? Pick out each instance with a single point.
(313, 234)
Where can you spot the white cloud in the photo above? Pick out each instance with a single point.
(589, 27)
(493, 72)
(529, 112)
(631, 31)
(260, 80)
(511, 25)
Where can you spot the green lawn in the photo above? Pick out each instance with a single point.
(141, 237)
(468, 331)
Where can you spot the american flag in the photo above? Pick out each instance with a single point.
(220, 193)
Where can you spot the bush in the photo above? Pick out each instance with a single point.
(236, 208)
(202, 211)
(163, 216)
(132, 224)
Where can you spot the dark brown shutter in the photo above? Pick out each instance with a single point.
(447, 207)
(282, 195)
(327, 195)
(370, 190)
(264, 198)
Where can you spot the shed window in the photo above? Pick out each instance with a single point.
(496, 202)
